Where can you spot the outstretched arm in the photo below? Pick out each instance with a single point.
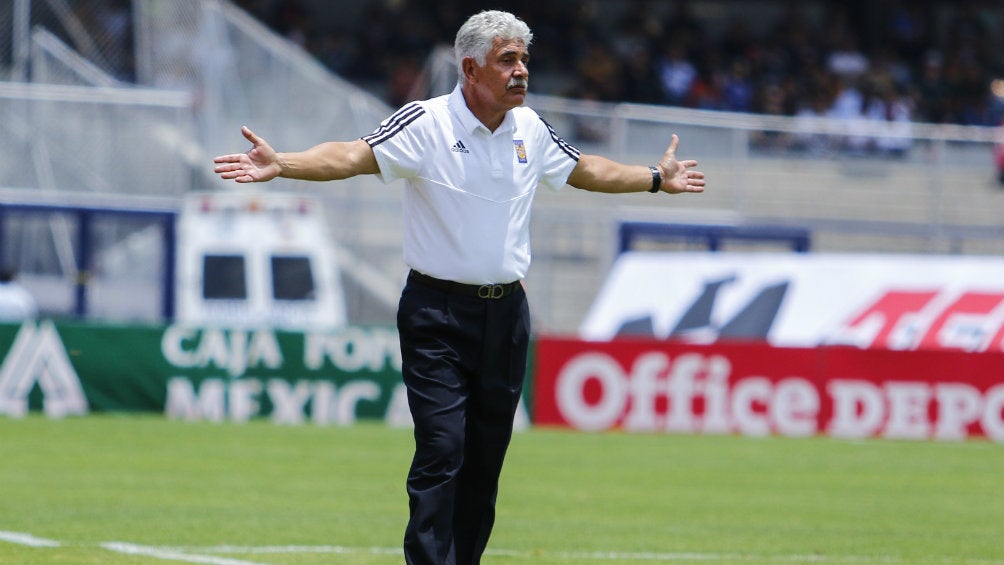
(599, 174)
(332, 160)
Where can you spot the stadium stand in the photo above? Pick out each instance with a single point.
(102, 92)
(932, 61)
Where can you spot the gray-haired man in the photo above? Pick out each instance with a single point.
(471, 161)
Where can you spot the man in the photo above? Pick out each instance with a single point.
(472, 161)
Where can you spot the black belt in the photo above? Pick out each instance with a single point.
(487, 291)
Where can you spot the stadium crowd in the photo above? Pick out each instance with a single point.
(895, 60)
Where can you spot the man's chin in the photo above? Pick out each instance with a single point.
(517, 95)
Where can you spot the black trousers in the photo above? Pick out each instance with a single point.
(464, 360)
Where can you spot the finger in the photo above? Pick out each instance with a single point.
(232, 173)
(229, 167)
(227, 159)
(239, 177)
(694, 185)
(673, 143)
(250, 136)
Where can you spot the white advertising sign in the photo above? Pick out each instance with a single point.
(802, 300)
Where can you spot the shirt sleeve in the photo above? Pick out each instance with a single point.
(398, 142)
(560, 157)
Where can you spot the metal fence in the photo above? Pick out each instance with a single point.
(939, 194)
(204, 68)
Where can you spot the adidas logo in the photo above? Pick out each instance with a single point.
(459, 147)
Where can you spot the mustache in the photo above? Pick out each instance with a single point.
(516, 83)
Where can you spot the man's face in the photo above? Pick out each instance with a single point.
(503, 79)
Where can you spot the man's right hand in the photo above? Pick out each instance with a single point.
(259, 164)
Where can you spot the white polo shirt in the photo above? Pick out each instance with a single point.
(469, 190)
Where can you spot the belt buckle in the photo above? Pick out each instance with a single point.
(490, 291)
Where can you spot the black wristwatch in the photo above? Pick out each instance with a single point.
(656, 179)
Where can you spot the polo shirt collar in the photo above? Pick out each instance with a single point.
(470, 122)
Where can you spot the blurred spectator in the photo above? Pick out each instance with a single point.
(404, 73)
(16, 303)
(999, 153)
(676, 73)
(847, 60)
(806, 137)
(680, 24)
(891, 111)
(773, 101)
(907, 29)
(600, 74)
(849, 106)
(292, 19)
(639, 79)
(707, 90)
(932, 89)
(738, 42)
(336, 52)
(737, 88)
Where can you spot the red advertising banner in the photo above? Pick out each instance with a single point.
(756, 389)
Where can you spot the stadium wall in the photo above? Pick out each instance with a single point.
(69, 369)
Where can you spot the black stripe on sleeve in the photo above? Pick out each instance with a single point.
(569, 149)
(395, 123)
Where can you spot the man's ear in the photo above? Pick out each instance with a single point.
(469, 66)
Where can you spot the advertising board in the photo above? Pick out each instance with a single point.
(755, 389)
(203, 373)
(900, 302)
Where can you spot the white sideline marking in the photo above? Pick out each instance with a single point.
(342, 550)
(193, 554)
(27, 539)
(171, 554)
(570, 555)
(280, 549)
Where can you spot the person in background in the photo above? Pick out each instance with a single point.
(471, 161)
(999, 154)
(16, 303)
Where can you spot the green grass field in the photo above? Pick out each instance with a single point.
(142, 490)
